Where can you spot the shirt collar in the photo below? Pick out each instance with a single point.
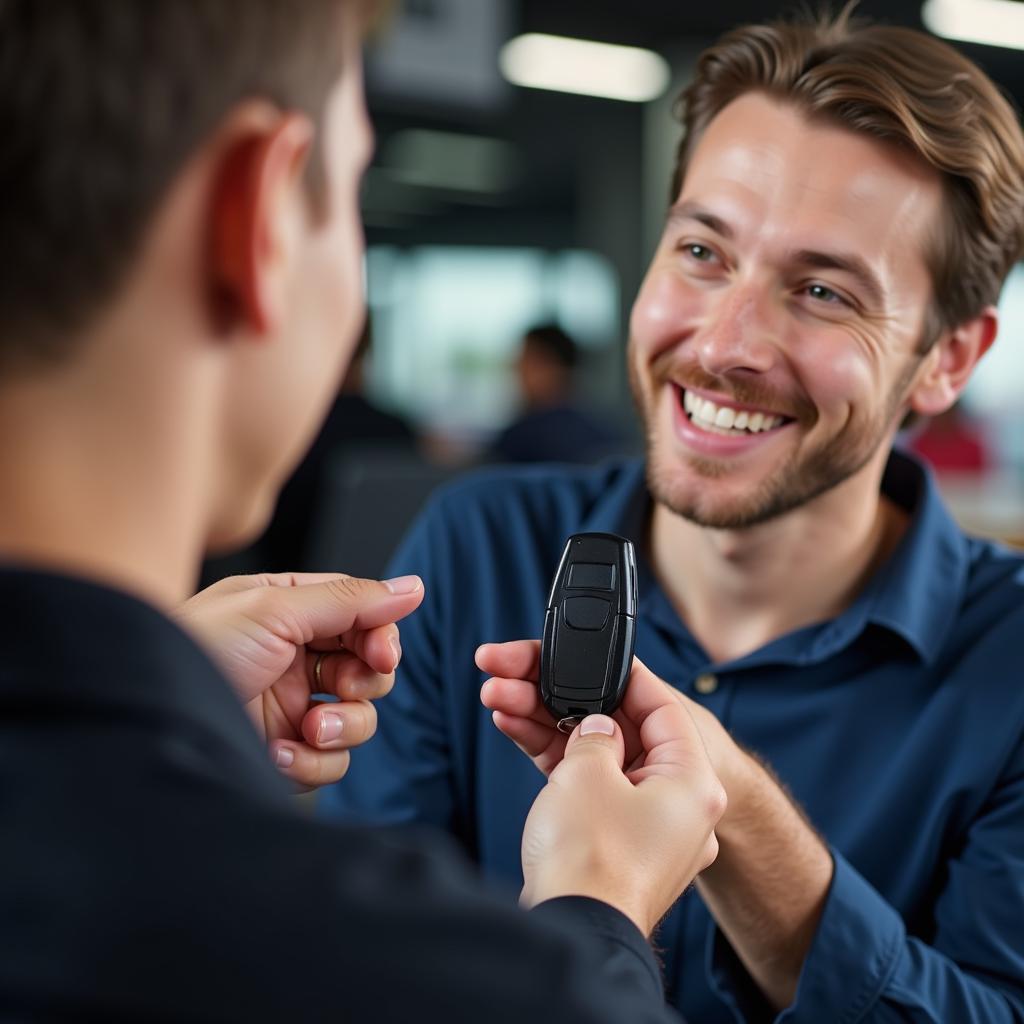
(915, 595)
(624, 505)
(919, 591)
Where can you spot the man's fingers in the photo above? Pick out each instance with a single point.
(234, 584)
(710, 854)
(670, 736)
(645, 693)
(342, 674)
(518, 659)
(308, 767)
(338, 726)
(333, 607)
(515, 697)
(671, 722)
(379, 649)
(542, 744)
(676, 752)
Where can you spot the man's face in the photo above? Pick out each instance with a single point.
(774, 340)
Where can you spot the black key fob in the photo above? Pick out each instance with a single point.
(589, 629)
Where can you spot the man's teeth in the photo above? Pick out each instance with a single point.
(727, 420)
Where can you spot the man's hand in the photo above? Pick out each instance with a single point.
(629, 811)
(513, 697)
(268, 633)
(767, 888)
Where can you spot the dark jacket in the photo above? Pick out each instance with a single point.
(153, 866)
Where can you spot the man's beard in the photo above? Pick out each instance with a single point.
(799, 480)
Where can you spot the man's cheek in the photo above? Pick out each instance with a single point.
(840, 379)
(662, 315)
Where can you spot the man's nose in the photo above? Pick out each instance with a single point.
(740, 332)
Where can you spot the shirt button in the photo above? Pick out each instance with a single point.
(706, 683)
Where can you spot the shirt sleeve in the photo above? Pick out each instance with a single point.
(864, 967)
(405, 775)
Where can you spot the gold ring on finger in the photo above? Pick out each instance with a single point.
(318, 671)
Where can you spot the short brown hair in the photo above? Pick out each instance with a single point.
(101, 104)
(905, 87)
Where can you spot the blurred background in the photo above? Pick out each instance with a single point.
(516, 195)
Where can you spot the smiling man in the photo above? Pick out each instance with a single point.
(847, 203)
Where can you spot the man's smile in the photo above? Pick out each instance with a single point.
(723, 416)
(720, 425)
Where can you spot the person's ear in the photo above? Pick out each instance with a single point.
(258, 210)
(950, 363)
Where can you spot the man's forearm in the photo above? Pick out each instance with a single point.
(768, 887)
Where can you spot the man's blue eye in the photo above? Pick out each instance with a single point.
(823, 294)
(699, 252)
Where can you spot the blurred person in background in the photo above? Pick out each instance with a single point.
(551, 427)
(355, 418)
(847, 202)
(181, 293)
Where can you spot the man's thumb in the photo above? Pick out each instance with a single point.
(597, 733)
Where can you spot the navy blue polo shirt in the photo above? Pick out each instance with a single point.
(897, 726)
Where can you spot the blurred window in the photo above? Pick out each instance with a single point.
(448, 323)
(994, 392)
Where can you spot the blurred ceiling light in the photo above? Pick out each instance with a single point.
(450, 160)
(579, 66)
(991, 22)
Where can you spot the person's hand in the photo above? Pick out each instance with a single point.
(633, 837)
(280, 638)
(514, 700)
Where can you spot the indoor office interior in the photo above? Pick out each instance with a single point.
(517, 191)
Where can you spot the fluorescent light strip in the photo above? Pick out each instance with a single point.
(991, 22)
(587, 68)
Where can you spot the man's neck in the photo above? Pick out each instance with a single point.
(100, 488)
(737, 590)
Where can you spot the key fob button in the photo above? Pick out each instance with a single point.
(588, 576)
(586, 612)
(581, 658)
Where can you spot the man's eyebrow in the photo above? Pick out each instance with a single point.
(690, 210)
(848, 263)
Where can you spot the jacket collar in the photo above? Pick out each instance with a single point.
(81, 648)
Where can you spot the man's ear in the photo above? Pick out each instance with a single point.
(950, 363)
(256, 198)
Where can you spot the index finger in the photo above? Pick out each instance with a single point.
(333, 607)
(645, 693)
(675, 749)
(517, 659)
(253, 581)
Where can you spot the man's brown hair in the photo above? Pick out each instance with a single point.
(904, 87)
(102, 102)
